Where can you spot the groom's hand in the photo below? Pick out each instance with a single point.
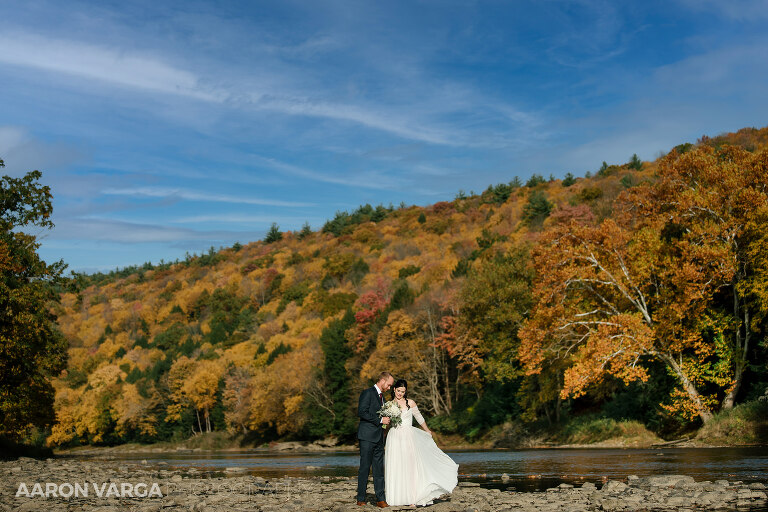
(385, 420)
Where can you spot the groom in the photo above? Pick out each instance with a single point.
(371, 436)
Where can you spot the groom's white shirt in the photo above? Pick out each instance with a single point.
(382, 396)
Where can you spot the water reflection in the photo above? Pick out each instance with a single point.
(702, 464)
(526, 469)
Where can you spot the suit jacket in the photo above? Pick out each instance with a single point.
(368, 410)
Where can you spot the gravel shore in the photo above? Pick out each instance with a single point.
(31, 485)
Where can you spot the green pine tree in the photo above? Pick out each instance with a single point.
(335, 380)
(537, 209)
(635, 163)
(306, 230)
(274, 234)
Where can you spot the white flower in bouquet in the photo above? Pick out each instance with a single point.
(392, 411)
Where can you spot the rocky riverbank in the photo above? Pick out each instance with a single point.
(74, 486)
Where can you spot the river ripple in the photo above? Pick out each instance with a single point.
(526, 469)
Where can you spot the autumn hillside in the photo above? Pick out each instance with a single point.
(275, 338)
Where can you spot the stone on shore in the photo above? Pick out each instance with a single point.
(125, 486)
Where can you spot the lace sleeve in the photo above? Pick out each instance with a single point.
(417, 415)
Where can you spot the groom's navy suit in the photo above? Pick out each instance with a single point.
(371, 436)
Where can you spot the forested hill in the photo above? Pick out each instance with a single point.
(531, 301)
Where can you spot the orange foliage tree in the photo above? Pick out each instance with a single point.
(713, 201)
(640, 285)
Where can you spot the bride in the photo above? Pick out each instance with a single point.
(416, 470)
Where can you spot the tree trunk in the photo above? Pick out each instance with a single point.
(199, 425)
(730, 399)
(446, 380)
(704, 413)
(441, 389)
(742, 349)
(432, 368)
(430, 372)
(458, 377)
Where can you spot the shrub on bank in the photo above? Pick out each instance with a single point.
(589, 429)
(746, 423)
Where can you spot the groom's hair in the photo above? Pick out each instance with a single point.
(384, 375)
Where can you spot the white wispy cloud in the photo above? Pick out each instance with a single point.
(10, 137)
(22, 152)
(154, 73)
(190, 195)
(102, 63)
(367, 179)
(404, 127)
(247, 219)
(679, 102)
(107, 230)
(585, 41)
(711, 72)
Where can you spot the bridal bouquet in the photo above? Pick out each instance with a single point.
(392, 411)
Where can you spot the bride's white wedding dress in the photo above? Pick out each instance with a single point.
(416, 471)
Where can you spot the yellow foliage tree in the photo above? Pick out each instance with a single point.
(201, 388)
(134, 412)
(397, 347)
(178, 374)
(279, 390)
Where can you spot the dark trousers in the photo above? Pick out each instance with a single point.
(371, 454)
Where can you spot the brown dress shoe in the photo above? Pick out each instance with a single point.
(381, 504)
(361, 503)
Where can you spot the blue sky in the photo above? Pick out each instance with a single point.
(167, 127)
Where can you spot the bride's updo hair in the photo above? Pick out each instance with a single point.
(401, 383)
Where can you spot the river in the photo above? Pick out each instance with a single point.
(527, 470)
